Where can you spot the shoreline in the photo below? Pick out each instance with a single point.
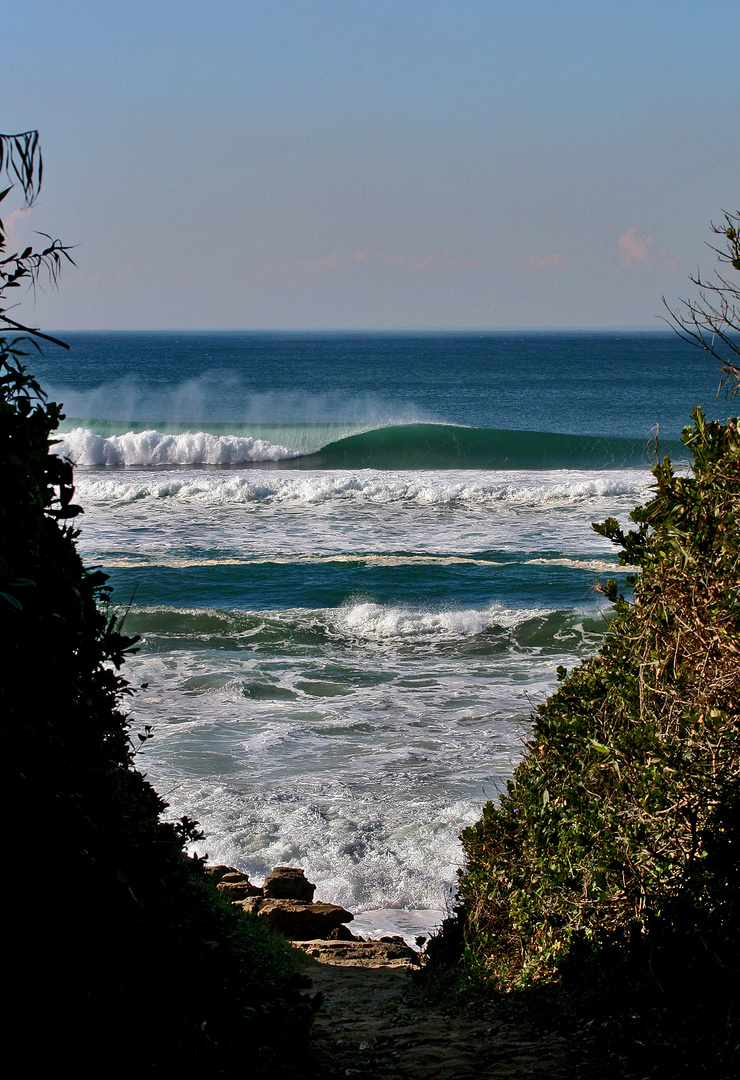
(408, 923)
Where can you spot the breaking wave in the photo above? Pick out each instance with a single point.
(405, 446)
(84, 447)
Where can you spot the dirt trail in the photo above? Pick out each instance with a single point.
(375, 1023)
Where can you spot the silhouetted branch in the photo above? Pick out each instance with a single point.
(712, 321)
(20, 160)
(32, 330)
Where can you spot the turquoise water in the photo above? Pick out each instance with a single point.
(355, 563)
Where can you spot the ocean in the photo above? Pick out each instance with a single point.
(355, 562)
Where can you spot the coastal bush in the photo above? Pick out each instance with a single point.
(125, 959)
(611, 865)
(618, 839)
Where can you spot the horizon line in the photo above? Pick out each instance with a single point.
(638, 329)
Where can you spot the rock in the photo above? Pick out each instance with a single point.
(342, 933)
(288, 883)
(298, 920)
(362, 954)
(220, 871)
(234, 883)
(238, 890)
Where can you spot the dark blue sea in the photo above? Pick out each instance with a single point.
(355, 562)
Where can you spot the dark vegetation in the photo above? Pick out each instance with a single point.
(605, 885)
(123, 958)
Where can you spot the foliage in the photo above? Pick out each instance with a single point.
(609, 872)
(712, 321)
(20, 158)
(129, 960)
(619, 835)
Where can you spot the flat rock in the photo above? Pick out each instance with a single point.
(361, 954)
(298, 920)
(238, 890)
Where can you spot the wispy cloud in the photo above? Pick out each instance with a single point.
(543, 262)
(641, 249)
(635, 248)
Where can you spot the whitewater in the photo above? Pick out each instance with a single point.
(355, 563)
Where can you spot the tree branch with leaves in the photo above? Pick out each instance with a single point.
(712, 320)
(21, 163)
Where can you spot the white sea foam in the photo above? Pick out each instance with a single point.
(598, 566)
(130, 562)
(313, 488)
(84, 447)
(366, 845)
(377, 622)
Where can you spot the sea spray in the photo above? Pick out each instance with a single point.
(154, 448)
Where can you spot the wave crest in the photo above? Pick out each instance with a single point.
(376, 622)
(419, 446)
(84, 447)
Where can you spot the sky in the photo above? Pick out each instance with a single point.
(305, 164)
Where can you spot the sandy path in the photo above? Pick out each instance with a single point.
(375, 1023)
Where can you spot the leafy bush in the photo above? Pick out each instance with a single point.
(628, 789)
(125, 960)
(617, 845)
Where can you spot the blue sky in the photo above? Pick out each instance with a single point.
(374, 165)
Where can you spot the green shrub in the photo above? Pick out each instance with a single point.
(617, 845)
(122, 958)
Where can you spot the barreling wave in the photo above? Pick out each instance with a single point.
(400, 447)
(442, 446)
